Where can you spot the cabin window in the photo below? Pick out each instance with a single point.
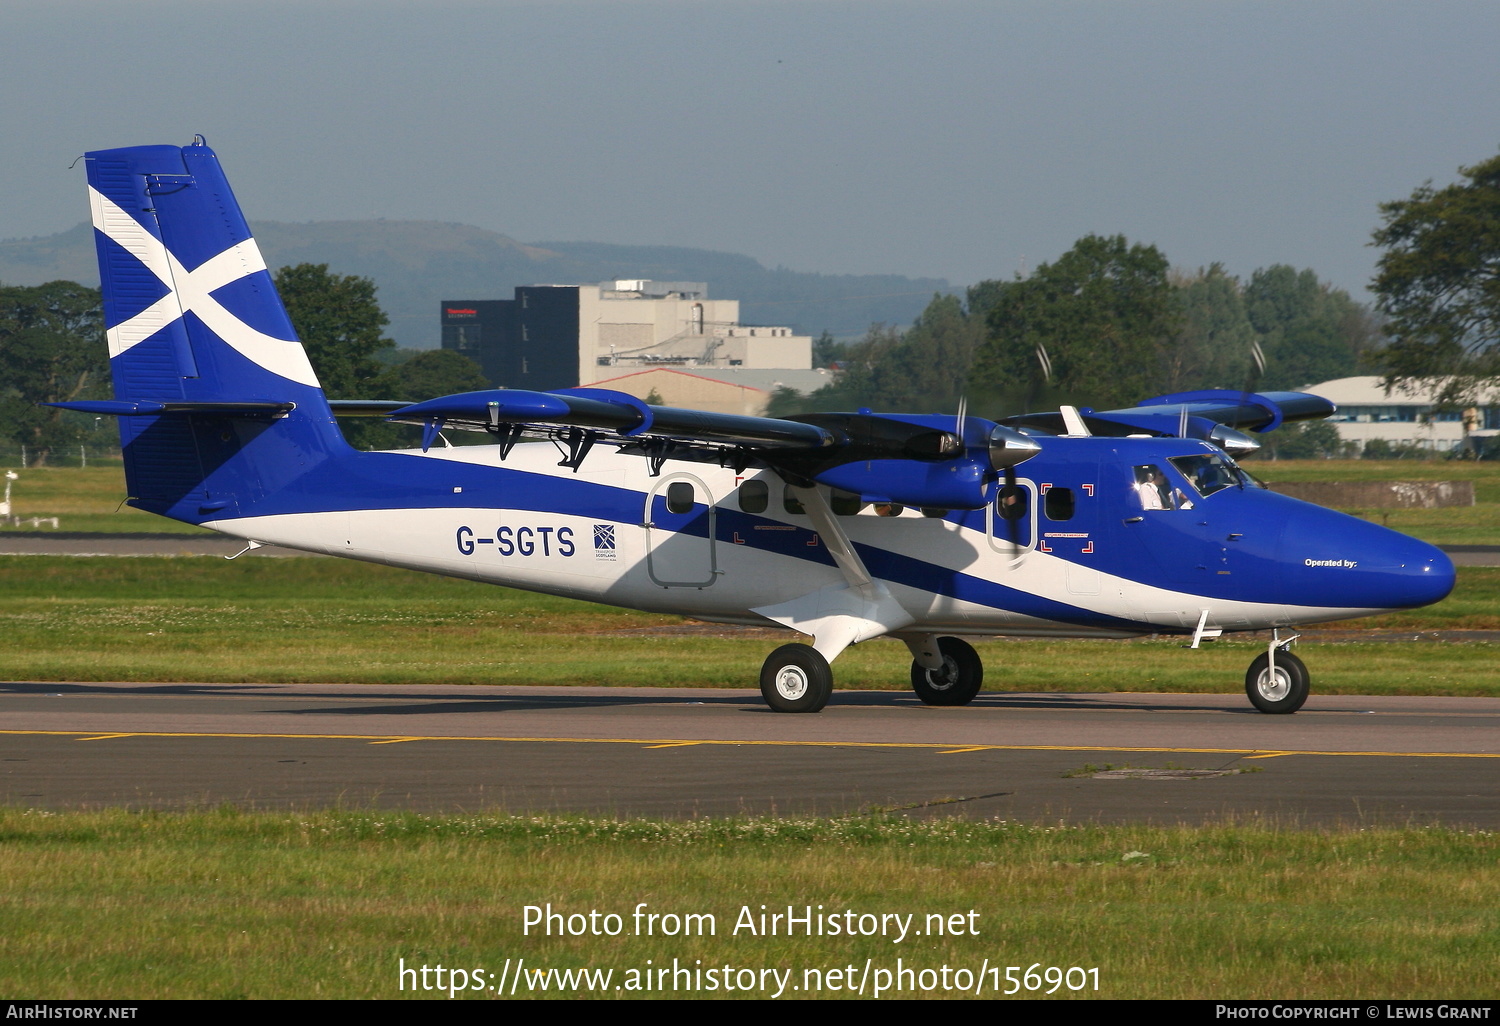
(679, 497)
(789, 502)
(934, 514)
(755, 496)
(1059, 504)
(844, 504)
(1012, 502)
(889, 509)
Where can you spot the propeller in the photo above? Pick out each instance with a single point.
(1228, 436)
(1013, 524)
(1009, 447)
(1253, 375)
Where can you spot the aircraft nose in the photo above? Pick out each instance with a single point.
(1412, 573)
(1428, 575)
(1342, 561)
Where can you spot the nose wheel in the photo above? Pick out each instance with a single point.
(1281, 688)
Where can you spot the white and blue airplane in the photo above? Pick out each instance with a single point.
(844, 527)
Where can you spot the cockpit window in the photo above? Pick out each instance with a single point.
(1208, 473)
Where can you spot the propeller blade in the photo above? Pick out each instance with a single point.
(1013, 527)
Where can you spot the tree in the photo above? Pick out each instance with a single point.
(1211, 348)
(1309, 440)
(826, 351)
(52, 349)
(786, 401)
(1103, 313)
(1439, 283)
(920, 370)
(339, 322)
(429, 374)
(1309, 330)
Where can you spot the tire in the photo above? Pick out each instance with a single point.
(1283, 695)
(957, 682)
(796, 679)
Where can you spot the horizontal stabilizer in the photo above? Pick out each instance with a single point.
(148, 408)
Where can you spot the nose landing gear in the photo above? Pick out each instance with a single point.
(1277, 681)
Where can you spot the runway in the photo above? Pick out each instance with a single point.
(677, 752)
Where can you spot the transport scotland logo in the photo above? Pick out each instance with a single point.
(604, 541)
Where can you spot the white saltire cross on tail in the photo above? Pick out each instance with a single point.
(193, 290)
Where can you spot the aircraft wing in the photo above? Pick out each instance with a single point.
(930, 461)
(1219, 415)
(607, 410)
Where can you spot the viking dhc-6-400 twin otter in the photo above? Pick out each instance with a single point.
(845, 527)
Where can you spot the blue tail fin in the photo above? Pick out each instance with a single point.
(195, 324)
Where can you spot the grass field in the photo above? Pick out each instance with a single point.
(328, 904)
(324, 620)
(225, 903)
(84, 499)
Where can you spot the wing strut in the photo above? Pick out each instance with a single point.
(839, 615)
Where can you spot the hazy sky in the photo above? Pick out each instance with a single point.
(957, 139)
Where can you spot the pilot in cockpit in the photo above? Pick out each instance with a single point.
(1151, 486)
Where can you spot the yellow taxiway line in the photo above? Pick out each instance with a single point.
(942, 748)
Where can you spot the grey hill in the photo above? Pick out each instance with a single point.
(417, 264)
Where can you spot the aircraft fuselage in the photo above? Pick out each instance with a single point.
(1083, 557)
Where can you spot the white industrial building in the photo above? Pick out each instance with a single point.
(562, 336)
(1367, 412)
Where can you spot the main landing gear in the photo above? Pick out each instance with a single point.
(797, 679)
(956, 682)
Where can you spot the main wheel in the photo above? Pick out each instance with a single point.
(957, 682)
(1283, 691)
(796, 679)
